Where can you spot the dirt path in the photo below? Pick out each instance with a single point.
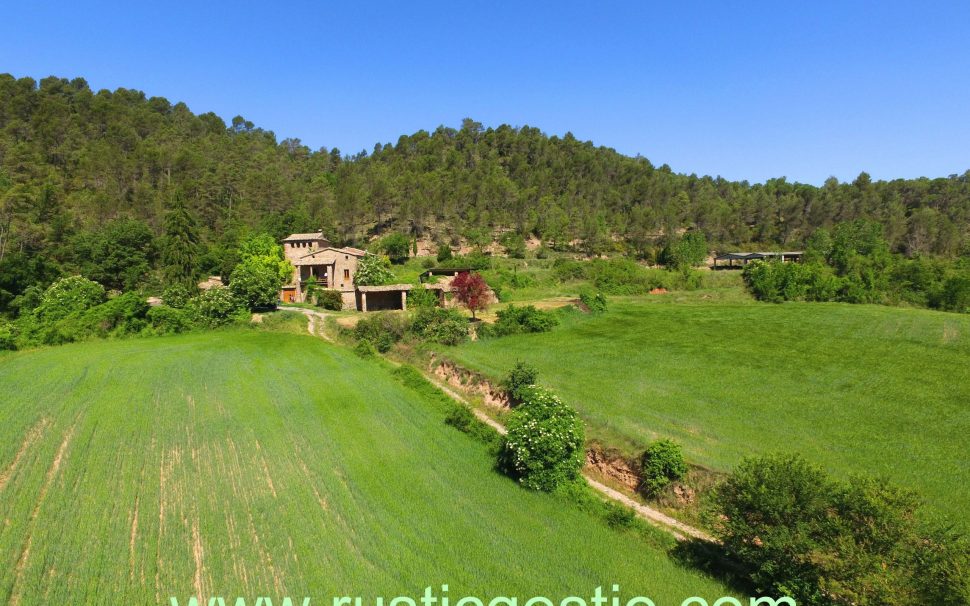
(676, 528)
(312, 318)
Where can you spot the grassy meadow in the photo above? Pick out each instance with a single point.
(857, 388)
(247, 462)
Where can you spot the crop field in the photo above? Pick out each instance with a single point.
(871, 389)
(251, 463)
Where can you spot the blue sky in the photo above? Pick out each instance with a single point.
(746, 90)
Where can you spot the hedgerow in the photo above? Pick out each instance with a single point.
(514, 320)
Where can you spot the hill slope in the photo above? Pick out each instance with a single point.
(252, 463)
(78, 166)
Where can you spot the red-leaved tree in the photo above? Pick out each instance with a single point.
(471, 291)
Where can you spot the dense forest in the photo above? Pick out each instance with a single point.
(90, 182)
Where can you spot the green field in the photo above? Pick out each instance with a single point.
(245, 462)
(868, 389)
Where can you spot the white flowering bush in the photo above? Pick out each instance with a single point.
(67, 296)
(544, 447)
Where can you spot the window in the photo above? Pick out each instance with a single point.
(346, 274)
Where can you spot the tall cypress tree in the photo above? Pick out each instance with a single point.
(181, 244)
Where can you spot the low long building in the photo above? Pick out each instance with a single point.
(743, 258)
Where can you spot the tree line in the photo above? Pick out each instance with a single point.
(104, 183)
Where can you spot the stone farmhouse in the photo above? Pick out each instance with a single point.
(314, 258)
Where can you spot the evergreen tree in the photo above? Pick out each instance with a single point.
(180, 247)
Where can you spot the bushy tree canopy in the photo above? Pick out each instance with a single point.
(397, 247)
(471, 291)
(255, 283)
(798, 532)
(373, 270)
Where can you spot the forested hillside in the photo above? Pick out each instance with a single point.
(87, 180)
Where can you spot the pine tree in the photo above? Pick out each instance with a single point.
(181, 244)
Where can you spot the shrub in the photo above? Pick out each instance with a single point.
(444, 253)
(522, 377)
(614, 276)
(215, 307)
(625, 277)
(798, 532)
(397, 247)
(178, 295)
(67, 296)
(382, 330)
(619, 516)
(27, 301)
(475, 261)
(544, 447)
(440, 325)
(567, 270)
(501, 295)
(328, 298)
(310, 290)
(514, 244)
(661, 464)
(8, 339)
(514, 320)
(256, 283)
(594, 301)
(917, 281)
(373, 270)
(364, 349)
(463, 419)
(772, 510)
(428, 263)
(419, 297)
(955, 295)
(122, 315)
(166, 320)
(520, 280)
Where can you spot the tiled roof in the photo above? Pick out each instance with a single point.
(332, 250)
(314, 236)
